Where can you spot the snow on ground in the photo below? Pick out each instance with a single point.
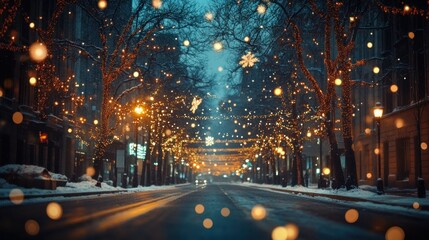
(8, 191)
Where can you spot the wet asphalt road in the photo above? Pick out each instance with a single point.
(215, 211)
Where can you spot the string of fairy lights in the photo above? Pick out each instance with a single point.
(45, 79)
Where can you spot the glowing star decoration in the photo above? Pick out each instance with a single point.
(38, 52)
(156, 4)
(195, 103)
(209, 141)
(248, 60)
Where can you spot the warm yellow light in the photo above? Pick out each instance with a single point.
(54, 211)
(38, 52)
(16, 196)
(338, 82)
(138, 110)
(95, 122)
(351, 216)
(102, 4)
(199, 209)
(90, 171)
(394, 88)
(17, 118)
(308, 134)
(247, 39)
(225, 212)
(399, 123)
(157, 4)
(208, 223)
(279, 233)
(292, 231)
(326, 171)
(32, 227)
(395, 233)
(378, 110)
(377, 151)
(278, 91)
(186, 43)
(369, 45)
(69, 130)
(32, 25)
(423, 146)
(217, 46)
(32, 81)
(416, 205)
(376, 70)
(261, 9)
(209, 16)
(258, 212)
(192, 125)
(367, 131)
(411, 35)
(352, 19)
(136, 74)
(369, 175)
(407, 8)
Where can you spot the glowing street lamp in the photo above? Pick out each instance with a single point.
(378, 113)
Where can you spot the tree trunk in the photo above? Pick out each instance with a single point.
(335, 156)
(147, 158)
(347, 114)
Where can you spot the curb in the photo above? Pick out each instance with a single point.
(72, 194)
(352, 199)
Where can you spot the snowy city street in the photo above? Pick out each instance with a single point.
(214, 119)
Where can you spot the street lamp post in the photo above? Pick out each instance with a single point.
(138, 110)
(378, 113)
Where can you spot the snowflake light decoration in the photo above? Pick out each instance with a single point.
(248, 60)
(209, 141)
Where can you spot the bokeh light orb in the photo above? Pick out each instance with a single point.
(351, 216)
(394, 88)
(261, 9)
(217, 46)
(411, 35)
(399, 123)
(186, 43)
(102, 4)
(369, 175)
(209, 16)
(54, 211)
(424, 146)
(32, 227)
(208, 223)
(376, 151)
(199, 208)
(338, 81)
(279, 233)
(278, 91)
(16, 196)
(225, 212)
(17, 118)
(136, 74)
(32, 25)
(326, 171)
(157, 4)
(369, 45)
(247, 39)
(367, 131)
(395, 233)
(258, 212)
(32, 81)
(292, 231)
(416, 205)
(376, 70)
(90, 171)
(38, 52)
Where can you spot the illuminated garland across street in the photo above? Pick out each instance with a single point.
(265, 116)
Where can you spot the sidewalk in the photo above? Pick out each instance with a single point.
(406, 198)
